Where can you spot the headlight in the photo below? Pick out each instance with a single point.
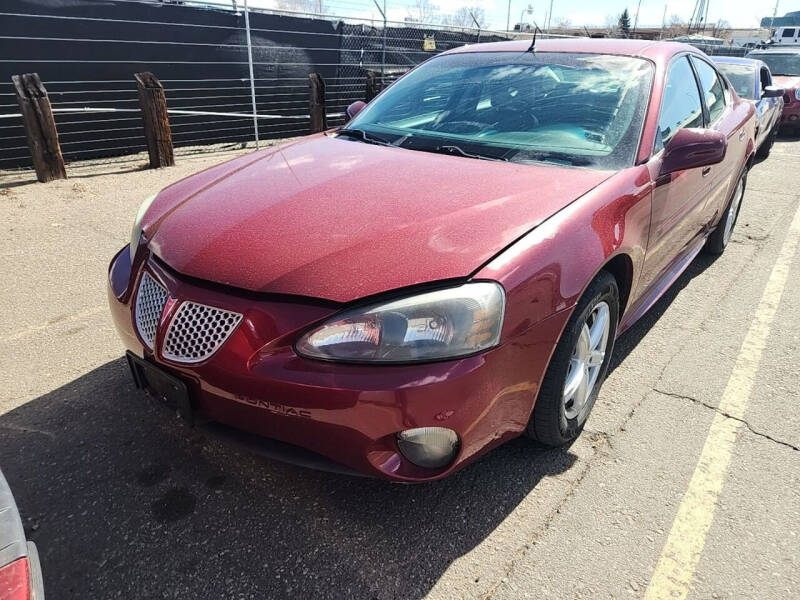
(430, 326)
(136, 232)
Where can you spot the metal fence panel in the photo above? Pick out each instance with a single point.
(87, 54)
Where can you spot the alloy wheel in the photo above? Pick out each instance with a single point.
(586, 361)
(733, 212)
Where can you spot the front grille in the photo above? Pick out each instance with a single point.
(197, 331)
(150, 302)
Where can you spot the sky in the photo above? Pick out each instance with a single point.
(738, 13)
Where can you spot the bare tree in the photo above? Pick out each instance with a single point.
(463, 18)
(423, 11)
(563, 23)
(311, 6)
(675, 26)
(722, 28)
(611, 23)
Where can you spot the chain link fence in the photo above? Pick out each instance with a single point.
(86, 54)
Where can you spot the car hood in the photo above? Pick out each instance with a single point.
(787, 82)
(340, 219)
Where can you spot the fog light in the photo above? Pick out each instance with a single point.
(793, 117)
(429, 447)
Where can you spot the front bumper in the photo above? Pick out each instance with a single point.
(791, 113)
(347, 413)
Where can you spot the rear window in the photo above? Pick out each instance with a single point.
(780, 63)
(741, 78)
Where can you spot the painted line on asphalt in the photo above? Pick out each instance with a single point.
(675, 570)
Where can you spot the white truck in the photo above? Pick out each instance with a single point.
(787, 36)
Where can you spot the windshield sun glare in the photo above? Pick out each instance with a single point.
(552, 107)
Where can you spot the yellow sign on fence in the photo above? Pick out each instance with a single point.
(429, 44)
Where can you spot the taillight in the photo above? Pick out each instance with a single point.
(15, 581)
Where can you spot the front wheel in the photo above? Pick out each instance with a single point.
(766, 145)
(718, 240)
(578, 366)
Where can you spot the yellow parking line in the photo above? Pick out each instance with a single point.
(676, 566)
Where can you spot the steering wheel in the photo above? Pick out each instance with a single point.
(460, 126)
(522, 120)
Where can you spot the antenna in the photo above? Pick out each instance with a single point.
(533, 41)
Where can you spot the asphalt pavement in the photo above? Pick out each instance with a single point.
(686, 482)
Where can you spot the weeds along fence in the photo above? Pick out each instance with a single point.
(86, 54)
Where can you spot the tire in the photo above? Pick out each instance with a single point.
(558, 420)
(719, 238)
(766, 146)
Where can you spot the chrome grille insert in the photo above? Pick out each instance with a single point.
(150, 300)
(197, 331)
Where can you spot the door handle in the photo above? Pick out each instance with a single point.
(742, 134)
(706, 171)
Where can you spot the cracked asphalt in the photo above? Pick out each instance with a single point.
(124, 501)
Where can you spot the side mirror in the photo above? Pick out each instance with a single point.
(772, 91)
(355, 108)
(693, 148)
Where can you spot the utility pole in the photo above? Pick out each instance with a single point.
(663, 23)
(772, 20)
(508, 17)
(549, 16)
(636, 18)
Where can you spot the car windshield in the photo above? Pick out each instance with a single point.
(741, 77)
(780, 64)
(564, 108)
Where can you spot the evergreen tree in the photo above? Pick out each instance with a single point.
(625, 23)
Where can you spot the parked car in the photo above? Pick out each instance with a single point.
(450, 269)
(785, 66)
(20, 572)
(752, 81)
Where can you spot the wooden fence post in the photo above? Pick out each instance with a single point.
(157, 130)
(40, 127)
(316, 103)
(372, 86)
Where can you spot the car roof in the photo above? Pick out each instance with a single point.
(735, 60)
(641, 48)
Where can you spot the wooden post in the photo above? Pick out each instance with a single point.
(157, 130)
(40, 127)
(372, 86)
(316, 103)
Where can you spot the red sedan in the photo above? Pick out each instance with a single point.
(449, 270)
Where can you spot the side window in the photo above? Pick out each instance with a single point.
(788, 33)
(711, 88)
(681, 105)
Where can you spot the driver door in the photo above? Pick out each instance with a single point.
(678, 198)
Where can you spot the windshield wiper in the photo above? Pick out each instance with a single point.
(451, 149)
(360, 134)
